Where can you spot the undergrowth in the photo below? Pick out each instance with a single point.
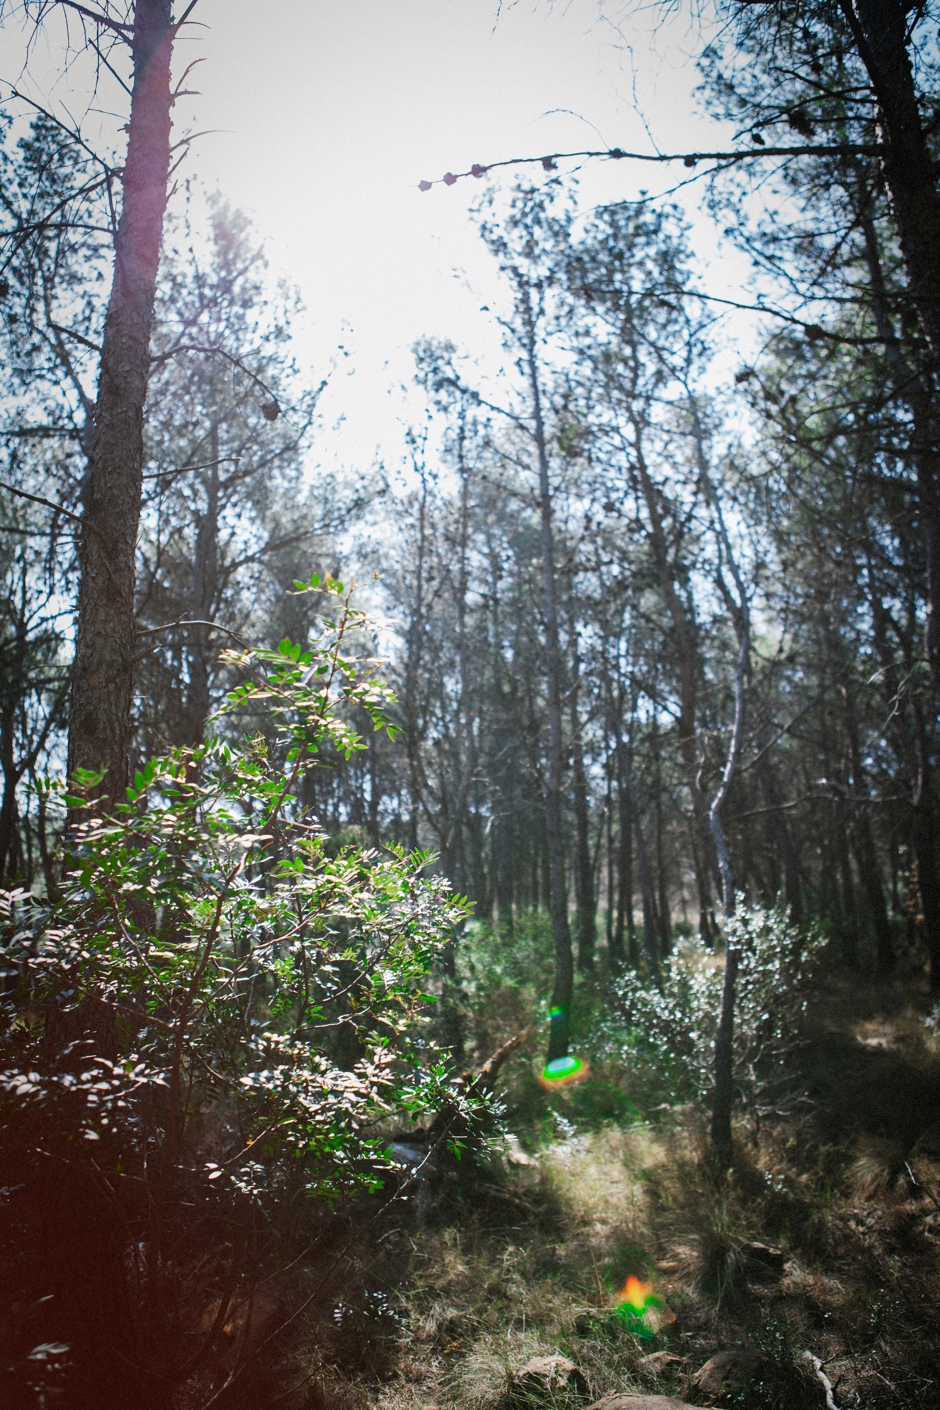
(822, 1244)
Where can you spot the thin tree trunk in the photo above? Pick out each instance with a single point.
(465, 725)
(584, 866)
(624, 859)
(683, 630)
(868, 867)
(739, 611)
(650, 938)
(561, 934)
(203, 598)
(100, 722)
(609, 855)
(664, 923)
(782, 836)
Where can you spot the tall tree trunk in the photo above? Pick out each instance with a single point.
(650, 936)
(663, 921)
(683, 629)
(911, 732)
(584, 865)
(845, 892)
(613, 960)
(920, 396)
(880, 28)
(558, 894)
(783, 838)
(721, 1143)
(374, 789)
(736, 601)
(868, 867)
(503, 864)
(624, 858)
(414, 655)
(466, 751)
(203, 598)
(100, 717)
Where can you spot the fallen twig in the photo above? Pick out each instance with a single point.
(823, 1379)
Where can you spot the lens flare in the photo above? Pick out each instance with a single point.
(563, 1072)
(638, 1306)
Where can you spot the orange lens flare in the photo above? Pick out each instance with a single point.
(637, 1295)
(638, 1304)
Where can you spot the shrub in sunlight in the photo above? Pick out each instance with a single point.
(664, 1036)
(203, 1027)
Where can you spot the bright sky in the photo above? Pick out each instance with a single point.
(325, 114)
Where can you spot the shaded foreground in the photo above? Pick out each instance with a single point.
(824, 1243)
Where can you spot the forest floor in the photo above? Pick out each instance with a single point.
(824, 1242)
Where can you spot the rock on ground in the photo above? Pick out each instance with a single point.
(548, 1373)
(640, 1402)
(736, 1364)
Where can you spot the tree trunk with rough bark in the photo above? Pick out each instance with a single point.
(685, 645)
(584, 866)
(100, 720)
(880, 29)
(558, 891)
(866, 854)
(650, 929)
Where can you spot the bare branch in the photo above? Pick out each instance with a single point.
(689, 159)
(104, 20)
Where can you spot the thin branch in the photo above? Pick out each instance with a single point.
(120, 29)
(111, 70)
(49, 504)
(79, 338)
(689, 159)
(180, 469)
(190, 622)
(186, 14)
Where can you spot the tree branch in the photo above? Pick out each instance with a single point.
(690, 159)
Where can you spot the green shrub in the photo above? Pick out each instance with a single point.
(203, 1027)
(663, 1037)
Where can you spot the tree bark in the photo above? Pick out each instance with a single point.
(865, 844)
(919, 395)
(584, 865)
(203, 599)
(911, 731)
(558, 895)
(663, 919)
(650, 936)
(624, 858)
(100, 717)
(683, 629)
(739, 611)
(880, 29)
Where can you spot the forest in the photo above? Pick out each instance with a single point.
(471, 938)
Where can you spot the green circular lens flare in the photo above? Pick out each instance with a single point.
(560, 1072)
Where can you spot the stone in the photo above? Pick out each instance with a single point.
(640, 1402)
(550, 1373)
(659, 1362)
(736, 1364)
(763, 1253)
(515, 1155)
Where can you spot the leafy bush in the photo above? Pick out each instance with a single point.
(203, 1026)
(664, 1036)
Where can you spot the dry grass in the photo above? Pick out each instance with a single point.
(527, 1260)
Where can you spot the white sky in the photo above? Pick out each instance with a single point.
(327, 113)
